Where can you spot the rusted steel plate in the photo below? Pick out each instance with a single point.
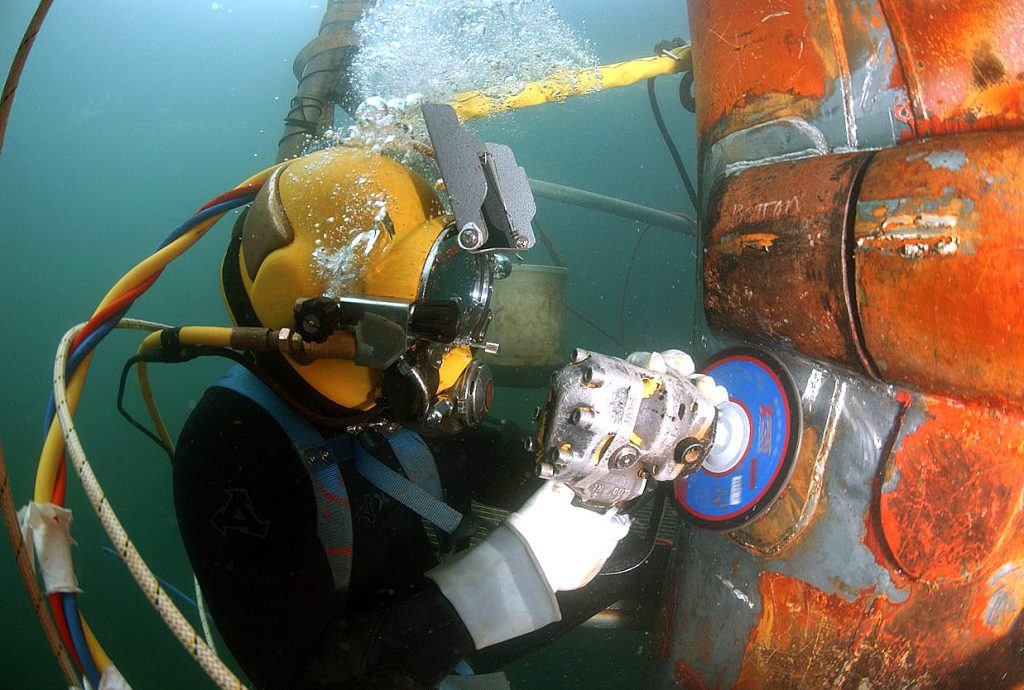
(939, 256)
(760, 60)
(963, 62)
(807, 638)
(778, 79)
(952, 488)
(775, 260)
(909, 573)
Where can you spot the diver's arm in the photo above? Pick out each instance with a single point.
(505, 586)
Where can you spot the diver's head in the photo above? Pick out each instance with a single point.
(343, 239)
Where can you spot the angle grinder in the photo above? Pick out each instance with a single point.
(609, 427)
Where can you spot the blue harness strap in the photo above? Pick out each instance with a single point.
(412, 496)
(319, 459)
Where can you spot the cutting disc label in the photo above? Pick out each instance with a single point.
(728, 499)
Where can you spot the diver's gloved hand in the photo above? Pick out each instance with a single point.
(680, 364)
(570, 543)
(505, 586)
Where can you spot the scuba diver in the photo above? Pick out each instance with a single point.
(309, 503)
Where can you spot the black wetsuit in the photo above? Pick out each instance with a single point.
(247, 516)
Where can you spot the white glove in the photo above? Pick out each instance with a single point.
(680, 364)
(570, 543)
(505, 586)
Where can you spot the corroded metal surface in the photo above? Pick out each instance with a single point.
(967, 453)
(775, 264)
(963, 62)
(895, 557)
(784, 79)
(939, 255)
(908, 571)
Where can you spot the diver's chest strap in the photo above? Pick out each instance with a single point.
(420, 490)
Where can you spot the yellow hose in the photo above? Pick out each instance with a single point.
(561, 86)
(46, 473)
(154, 412)
(98, 655)
(215, 336)
(49, 457)
(189, 335)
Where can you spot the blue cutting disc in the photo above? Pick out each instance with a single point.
(760, 384)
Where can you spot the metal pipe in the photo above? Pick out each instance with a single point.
(321, 69)
(677, 222)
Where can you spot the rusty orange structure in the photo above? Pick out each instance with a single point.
(863, 219)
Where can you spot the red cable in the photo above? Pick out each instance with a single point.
(233, 194)
(62, 626)
(60, 484)
(108, 311)
(127, 298)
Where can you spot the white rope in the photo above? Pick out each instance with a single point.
(186, 634)
(203, 616)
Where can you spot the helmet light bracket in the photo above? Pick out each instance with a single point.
(489, 193)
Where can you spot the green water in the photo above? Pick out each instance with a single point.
(129, 116)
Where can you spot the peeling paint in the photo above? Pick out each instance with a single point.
(1001, 605)
(911, 245)
(813, 387)
(1004, 603)
(920, 220)
(735, 243)
(951, 159)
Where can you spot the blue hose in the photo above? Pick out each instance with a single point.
(94, 338)
(70, 603)
(206, 214)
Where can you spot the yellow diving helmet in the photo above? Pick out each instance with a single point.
(344, 239)
(349, 235)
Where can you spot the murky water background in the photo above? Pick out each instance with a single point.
(130, 115)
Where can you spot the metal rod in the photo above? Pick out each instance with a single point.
(676, 222)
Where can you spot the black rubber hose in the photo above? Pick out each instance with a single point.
(671, 144)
